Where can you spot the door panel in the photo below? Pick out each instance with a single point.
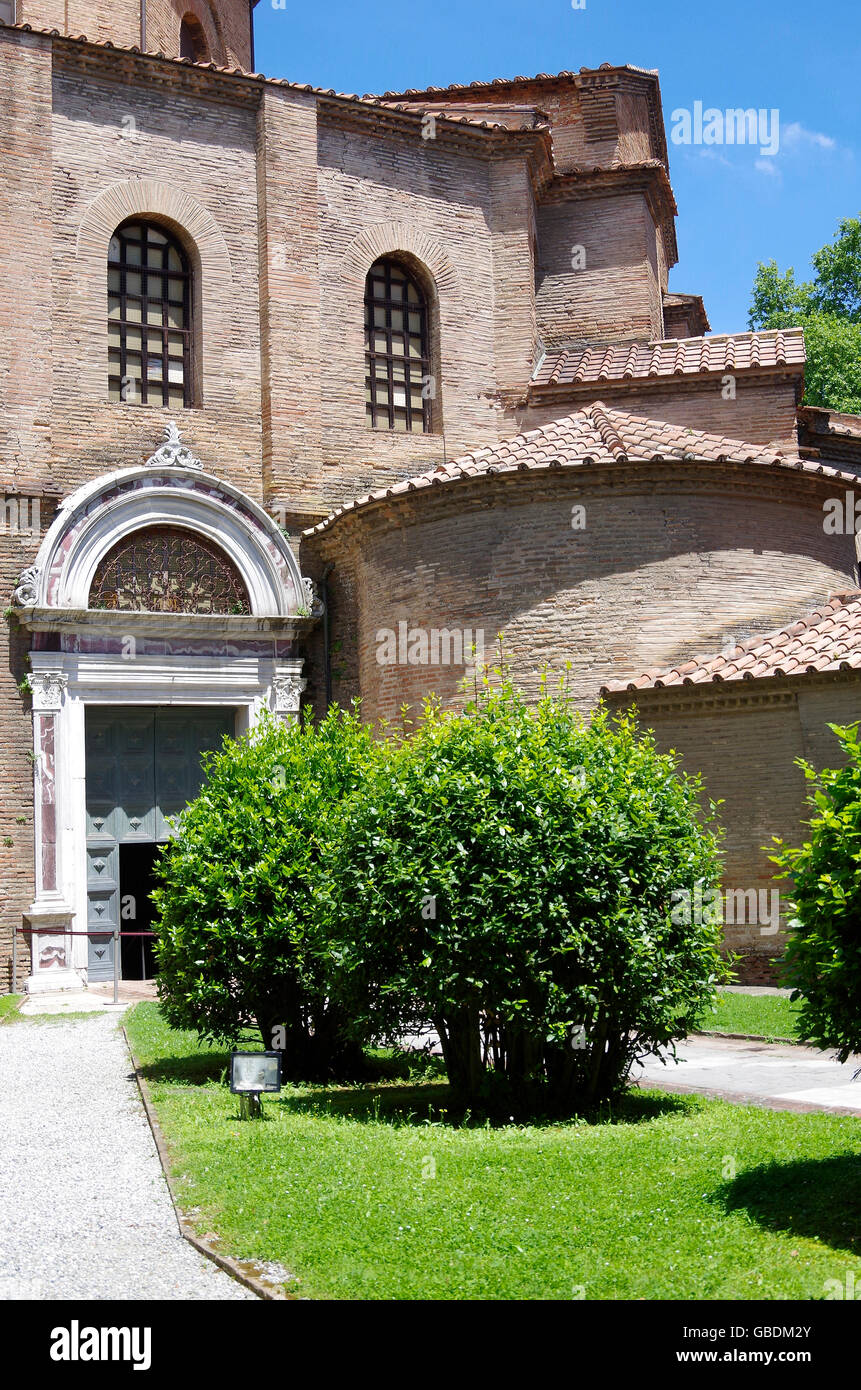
(143, 766)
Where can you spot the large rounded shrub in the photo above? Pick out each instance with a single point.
(239, 943)
(508, 876)
(823, 957)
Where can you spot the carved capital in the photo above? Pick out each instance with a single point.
(48, 688)
(288, 691)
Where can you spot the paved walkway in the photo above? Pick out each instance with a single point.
(774, 1074)
(84, 1208)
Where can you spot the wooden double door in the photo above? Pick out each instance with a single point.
(143, 765)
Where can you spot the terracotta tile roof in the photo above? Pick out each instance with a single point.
(831, 422)
(673, 358)
(596, 434)
(519, 81)
(827, 640)
(407, 108)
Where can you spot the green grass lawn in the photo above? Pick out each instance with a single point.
(365, 1192)
(9, 1007)
(769, 1016)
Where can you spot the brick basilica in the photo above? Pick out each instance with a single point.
(285, 371)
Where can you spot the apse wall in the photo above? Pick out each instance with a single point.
(658, 565)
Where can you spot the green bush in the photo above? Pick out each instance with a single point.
(238, 933)
(823, 957)
(506, 876)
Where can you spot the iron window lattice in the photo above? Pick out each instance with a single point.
(162, 569)
(397, 354)
(149, 317)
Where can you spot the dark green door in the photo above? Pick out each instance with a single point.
(143, 766)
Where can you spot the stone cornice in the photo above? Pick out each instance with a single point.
(727, 697)
(677, 383)
(487, 141)
(131, 67)
(180, 626)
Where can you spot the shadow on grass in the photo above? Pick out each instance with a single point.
(433, 1103)
(816, 1198)
(410, 1088)
(198, 1068)
(193, 1069)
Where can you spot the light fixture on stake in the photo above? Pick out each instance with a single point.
(252, 1073)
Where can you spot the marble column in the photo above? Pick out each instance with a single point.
(49, 915)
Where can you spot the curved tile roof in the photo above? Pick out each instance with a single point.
(596, 434)
(827, 640)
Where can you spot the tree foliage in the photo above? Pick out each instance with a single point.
(238, 933)
(506, 876)
(828, 308)
(823, 958)
(511, 872)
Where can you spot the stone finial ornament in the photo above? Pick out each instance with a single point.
(173, 453)
(313, 602)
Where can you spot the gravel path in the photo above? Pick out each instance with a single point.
(84, 1208)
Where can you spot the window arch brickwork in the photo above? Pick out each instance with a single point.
(192, 40)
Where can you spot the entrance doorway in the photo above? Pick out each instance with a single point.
(137, 912)
(143, 765)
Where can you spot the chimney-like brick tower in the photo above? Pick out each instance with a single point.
(206, 31)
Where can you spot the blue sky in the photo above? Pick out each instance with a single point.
(735, 207)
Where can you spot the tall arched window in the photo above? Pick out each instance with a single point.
(192, 40)
(149, 317)
(398, 383)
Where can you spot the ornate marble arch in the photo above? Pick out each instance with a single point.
(244, 662)
(170, 490)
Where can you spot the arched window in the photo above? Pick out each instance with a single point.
(149, 313)
(398, 384)
(192, 40)
(167, 569)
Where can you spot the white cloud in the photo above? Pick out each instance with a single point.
(709, 152)
(795, 134)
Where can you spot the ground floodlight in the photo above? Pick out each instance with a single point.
(252, 1073)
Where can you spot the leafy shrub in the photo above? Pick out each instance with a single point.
(506, 876)
(238, 940)
(823, 958)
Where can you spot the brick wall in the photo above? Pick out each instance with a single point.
(617, 293)
(387, 194)
(290, 299)
(101, 20)
(670, 564)
(601, 121)
(761, 412)
(188, 162)
(744, 740)
(25, 432)
(225, 23)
